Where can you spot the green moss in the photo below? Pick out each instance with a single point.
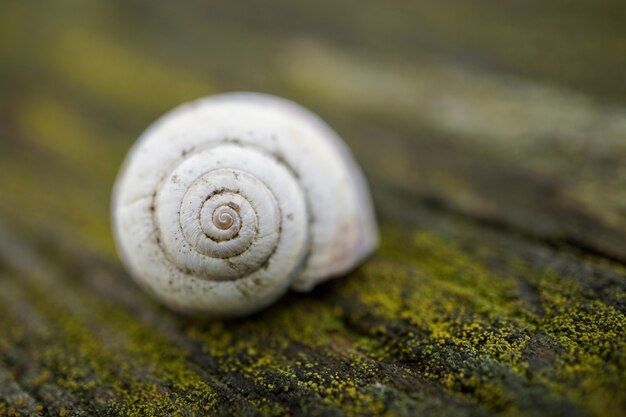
(290, 350)
(592, 367)
(447, 295)
(440, 322)
(99, 348)
(425, 315)
(466, 327)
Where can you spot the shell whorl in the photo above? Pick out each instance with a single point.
(226, 202)
(222, 212)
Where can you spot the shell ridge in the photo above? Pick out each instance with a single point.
(254, 194)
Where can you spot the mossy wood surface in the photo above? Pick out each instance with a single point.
(493, 135)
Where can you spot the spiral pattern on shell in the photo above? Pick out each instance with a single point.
(222, 212)
(226, 202)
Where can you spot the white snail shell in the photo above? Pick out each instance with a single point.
(226, 202)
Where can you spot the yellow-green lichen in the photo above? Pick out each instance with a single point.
(278, 350)
(98, 347)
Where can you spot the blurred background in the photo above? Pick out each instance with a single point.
(425, 87)
(493, 135)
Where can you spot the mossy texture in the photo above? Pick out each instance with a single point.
(499, 178)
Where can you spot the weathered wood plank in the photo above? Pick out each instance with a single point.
(494, 137)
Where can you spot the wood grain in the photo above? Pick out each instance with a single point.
(494, 138)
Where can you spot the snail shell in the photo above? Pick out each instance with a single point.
(226, 202)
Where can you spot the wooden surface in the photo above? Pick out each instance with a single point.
(493, 134)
